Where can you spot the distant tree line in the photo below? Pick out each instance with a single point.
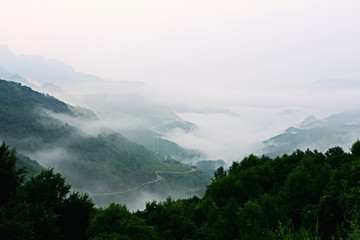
(305, 195)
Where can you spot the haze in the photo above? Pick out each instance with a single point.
(258, 59)
(176, 43)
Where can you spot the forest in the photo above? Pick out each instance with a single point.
(303, 195)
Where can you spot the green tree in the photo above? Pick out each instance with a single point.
(220, 172)
(75, 215)
(296, 193)
(10, 177)
(116, 222)
(355, 148)
(48, 189)
(45, 194)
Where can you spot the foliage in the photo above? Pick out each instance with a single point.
(41, 208)
(29, 121)
(10, 176)
(116, 222)
(304, 195)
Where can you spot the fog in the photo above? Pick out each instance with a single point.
(230, 124)
(220, 77)
(231, 121)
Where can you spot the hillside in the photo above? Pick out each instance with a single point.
(95, 163)
(156, 143)
(109, 99)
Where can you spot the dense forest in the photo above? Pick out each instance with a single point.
(303, 195)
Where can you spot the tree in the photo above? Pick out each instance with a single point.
(48, 189)
(45, 194)
(75, 215)
(116, 222)
(220, 172)
(355, 148)
(10, 176)
(297, 192)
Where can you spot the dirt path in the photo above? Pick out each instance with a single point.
(158, 178)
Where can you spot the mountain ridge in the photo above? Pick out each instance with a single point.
(340, 129)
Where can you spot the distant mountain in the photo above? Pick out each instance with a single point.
(340, 129)
(4, 74)
(105, 96)
(40, 72)
(331, 84)
(41, 69)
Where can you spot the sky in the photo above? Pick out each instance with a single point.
(256, 57)
(228, 44)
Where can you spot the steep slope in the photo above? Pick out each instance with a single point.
(99, 163)
(26, 122)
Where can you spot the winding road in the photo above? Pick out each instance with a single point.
(158, 178)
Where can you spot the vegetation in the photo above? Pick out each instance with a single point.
(28, 121)
(304, 195)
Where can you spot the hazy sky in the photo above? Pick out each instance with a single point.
(229, 43)
(233, 53)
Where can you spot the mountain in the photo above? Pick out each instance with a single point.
(339, 129)
(108, 98)
(40, 69)
(156, 143)
(97, 163)
(14, 77)
(26, 122)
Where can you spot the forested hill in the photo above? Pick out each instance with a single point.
(20, 106)
(89, 162)
(304, 195)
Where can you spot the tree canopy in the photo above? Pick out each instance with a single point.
(304, 195)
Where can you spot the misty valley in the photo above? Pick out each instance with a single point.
(84, 157)
(102, 163)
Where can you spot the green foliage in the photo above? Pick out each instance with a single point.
(56, 213)
(22, 113)
(27, 121)
(116, 222)
(305, 195)
(48, 189)
(296, 193)
(220, 172)
(355, 149)
(43, 207)
(287, 232)
(75, 210)
(10, 176)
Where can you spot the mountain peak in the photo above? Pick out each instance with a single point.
(308, 121)
(5, 51)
